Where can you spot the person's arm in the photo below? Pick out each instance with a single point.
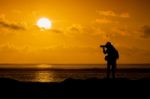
(104, 50)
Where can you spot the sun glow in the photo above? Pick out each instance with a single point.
(44, 23)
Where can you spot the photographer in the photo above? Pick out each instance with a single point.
(111, 57)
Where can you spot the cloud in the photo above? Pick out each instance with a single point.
(146, 31)
(113, 14)
(8, 49)
(11, 26)
(56, 31)
(76, 28)
(107, 13)
(125, 15)
(103, 21)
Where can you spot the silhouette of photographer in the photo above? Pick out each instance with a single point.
(111, 57)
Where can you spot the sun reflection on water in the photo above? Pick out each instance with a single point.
(44, 76)
(44, 66)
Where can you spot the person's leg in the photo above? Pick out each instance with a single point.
(113, 69)
(108, 70)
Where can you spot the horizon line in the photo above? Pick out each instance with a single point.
(71, 63)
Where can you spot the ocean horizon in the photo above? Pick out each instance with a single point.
(70, 66)
(50, 74)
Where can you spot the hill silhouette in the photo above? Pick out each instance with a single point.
(73, 87)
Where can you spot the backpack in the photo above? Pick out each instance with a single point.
(116, 54)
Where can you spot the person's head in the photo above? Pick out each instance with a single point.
(108, 44)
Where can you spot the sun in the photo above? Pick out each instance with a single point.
(44, 23)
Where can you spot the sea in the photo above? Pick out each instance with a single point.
(61, 72)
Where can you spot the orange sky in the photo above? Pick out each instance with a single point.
(79, 27)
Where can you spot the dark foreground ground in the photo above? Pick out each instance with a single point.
(74, 89)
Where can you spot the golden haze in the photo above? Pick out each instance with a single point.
(79, 27)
